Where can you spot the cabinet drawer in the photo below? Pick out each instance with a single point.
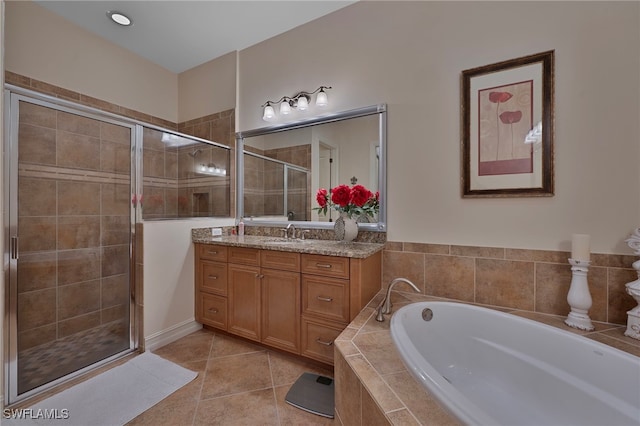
(212, 252)
(283, 260)
(244, 256)
(213, 310)
(317, 339)
(330, 266)
(325, 297)
(213, 277)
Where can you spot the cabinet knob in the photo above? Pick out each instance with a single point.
(324, 343)
(323, 265)
(324, 299)
(213, 310)
(213, 277)
(213, 252)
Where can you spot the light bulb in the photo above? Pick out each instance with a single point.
(321, 98)
(203, 168)
(303, 103)
(211, 169)
(285, 108)
(269, 113)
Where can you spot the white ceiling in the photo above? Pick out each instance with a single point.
(179, 35)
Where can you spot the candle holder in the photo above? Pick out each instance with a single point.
(633, 316)
(579, 297)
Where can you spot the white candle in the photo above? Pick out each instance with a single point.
(580, 249)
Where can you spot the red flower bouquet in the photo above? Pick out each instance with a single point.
(354, 201)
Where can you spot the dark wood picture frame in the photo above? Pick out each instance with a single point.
(507, 128)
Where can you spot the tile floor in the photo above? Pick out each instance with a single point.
(238, 384)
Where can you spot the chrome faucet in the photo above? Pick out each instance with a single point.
(385, 305)
(293, 227)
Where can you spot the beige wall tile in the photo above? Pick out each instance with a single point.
(372, 415)
(116, 199)
(37, 234)
(37, 145)
(76, 266)
(115, 230)
(115, 133)
(347, 392)
(78, 324)
(449, 276)
(37, 336)
(619, 301)
(115, 260)
(36, 271)
(486, 252)
(78, 198)
(115, 291)
(405, 265)
(78, 299)
(78, 124)
(552, 286)
(426, 248)
(76, 232)
(37, 197)
(375, 386)
(505, 283)
(77, 151)
(538, 255)
(37, 115)
(115, 157)
(597, 280)
(35, 309)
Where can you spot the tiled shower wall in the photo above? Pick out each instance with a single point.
(528, 280)
(74, 224)
(299, 183)
(264, 182)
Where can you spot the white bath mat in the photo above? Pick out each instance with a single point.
(110, 399)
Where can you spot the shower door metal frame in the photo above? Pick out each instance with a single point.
(13, 95)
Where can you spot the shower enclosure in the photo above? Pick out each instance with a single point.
(69, 233)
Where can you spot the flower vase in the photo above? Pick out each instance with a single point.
(346, 228)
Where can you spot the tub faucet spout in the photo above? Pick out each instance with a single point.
(385, 305)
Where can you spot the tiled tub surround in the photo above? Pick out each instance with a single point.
(373, 387)
(526, 280)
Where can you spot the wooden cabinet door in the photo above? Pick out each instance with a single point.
(244, 301)
(281, 309)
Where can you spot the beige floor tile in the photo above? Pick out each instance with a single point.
(249, 408)
(236, 374)
(286, 370)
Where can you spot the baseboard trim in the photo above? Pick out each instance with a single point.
(164, 337)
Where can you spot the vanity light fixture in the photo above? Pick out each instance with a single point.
(211, 169)
(119, 18)
(300, 101)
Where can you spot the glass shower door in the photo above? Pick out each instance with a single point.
(70, 223)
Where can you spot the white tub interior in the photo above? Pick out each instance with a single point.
(488, 367)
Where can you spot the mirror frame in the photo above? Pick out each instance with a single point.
(380, 109)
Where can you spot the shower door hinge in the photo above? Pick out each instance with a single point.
(13, 248)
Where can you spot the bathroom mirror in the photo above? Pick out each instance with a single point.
(280, 168)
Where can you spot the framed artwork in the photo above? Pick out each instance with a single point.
(507, 128)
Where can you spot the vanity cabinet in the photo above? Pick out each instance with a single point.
(297, 302)
(264, 297)
(211, 285)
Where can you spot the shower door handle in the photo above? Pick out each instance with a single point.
(13, 248)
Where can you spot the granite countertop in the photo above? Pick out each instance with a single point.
(310, 246)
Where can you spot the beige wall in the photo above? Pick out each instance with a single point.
(410, 55)
(46, 47)
(208, 88)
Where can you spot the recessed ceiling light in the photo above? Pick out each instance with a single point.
(119, 18)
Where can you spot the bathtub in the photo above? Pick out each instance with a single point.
(491, 368)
